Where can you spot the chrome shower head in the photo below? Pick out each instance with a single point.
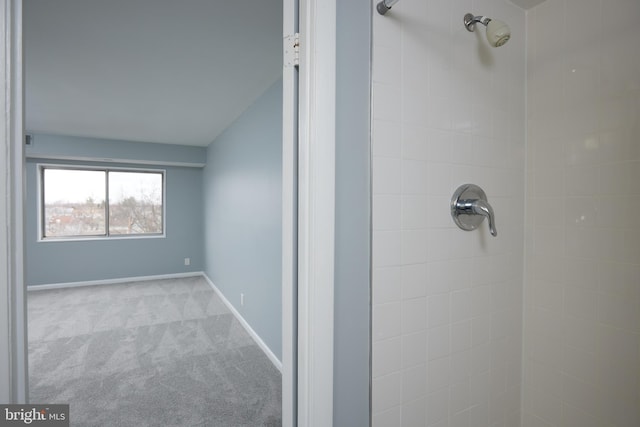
(498, 33)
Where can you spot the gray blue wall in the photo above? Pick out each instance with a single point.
(243, 215)
(78, 261)
(96, 148)
(353, 195)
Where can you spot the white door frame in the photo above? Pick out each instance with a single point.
(315, 209)
(13, 346)
(289, 214)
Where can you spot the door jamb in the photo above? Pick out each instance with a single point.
(316, 211)
(13, 331)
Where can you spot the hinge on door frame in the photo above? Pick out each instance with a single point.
(291, 51)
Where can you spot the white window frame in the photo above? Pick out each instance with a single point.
(44, 239)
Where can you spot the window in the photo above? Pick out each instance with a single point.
(91, 202)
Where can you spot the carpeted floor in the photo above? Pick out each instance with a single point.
(157, 353)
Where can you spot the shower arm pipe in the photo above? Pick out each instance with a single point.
(470, 21)
(384, 6)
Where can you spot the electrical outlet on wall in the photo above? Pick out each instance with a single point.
(187, 261)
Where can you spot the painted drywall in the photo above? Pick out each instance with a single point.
(582, 281)
(175, 72)
(80, 261)
(96, 148)
(447, 304)
(242, 187)
(353, 215)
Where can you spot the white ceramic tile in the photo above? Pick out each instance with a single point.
(459, 397)
(581, 180)
(385, 140)
(387, 175)
(581, 364)
(414, 108)
(439, 145)
(579, 333)
(414, 212)
(414, 142)
(387, 321)
(460, 419)
(619, 312)
(439, 246)
(572, 416)
(462, 148)
(480, 415)
(438, 179)
(414, 413)
(580, 303)
(461, 336)
(387, 64)
(386, 248)
(549, 182)
(414, 349)
(581, 273)
(461, 366)
(386, 285)
(547, 296)
(582, 242)
(439, 113)
(480, 300)
(598, 316)
(461, 305)
(619, 279)
(386, 357)
(616, 211)
(438, 342)
(439, 213)
(387, 102)
(414, 281)
(414, 315)
(439, 309)
(438, 374)
(579, 394)
(480, 330)
(615, 178)
(437, 407)
(388, 32)
(414, 383)
(386, 212)
(480, 358)
(478, 385)
(389, 418)
(414, 177)
(387, 392)
(439, 277)
(462, 120)
(414, 246)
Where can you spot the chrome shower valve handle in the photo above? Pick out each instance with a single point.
(469, 206)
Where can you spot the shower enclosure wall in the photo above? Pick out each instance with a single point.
(539, 326)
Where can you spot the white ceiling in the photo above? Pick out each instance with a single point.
(168, 71)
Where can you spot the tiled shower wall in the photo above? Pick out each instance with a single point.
(582, 282)
(447, 303)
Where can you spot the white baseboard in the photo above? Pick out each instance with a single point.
(276, 362)
(113, 281)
